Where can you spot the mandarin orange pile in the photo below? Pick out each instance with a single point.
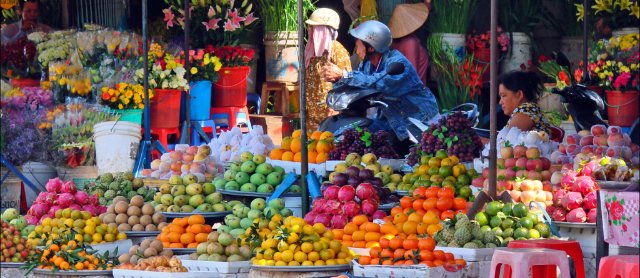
(438, 200)
(185, 232)
(68, 254)
(319, 145)
(409, 250)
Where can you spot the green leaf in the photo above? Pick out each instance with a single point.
(622, 202)
(444, 129)
(440, 136)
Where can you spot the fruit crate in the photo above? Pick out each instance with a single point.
(319, 169)
(472, 270)
(124, 273)
(470, 254)
(218, 267)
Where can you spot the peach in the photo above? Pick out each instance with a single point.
(572, 149)
(519, 151)
(573, 139)
(187, 158)
(615, 140)
(175, 156)
(598, 130)
(614, 130)
(533, 175)
(500, 163)
(146, 172)
(584, 133)
(192, 150)
(613, 152)
(506, 152)
(176, 166)
(532, 153)
(185, 167)
(586, 140)
(515, 195)
(600, 140)
(600, 150)
(155, 164)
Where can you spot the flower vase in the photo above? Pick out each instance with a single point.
(520, 53)
(200, 95)
(452, 40)
(622, 107)
(231, 88)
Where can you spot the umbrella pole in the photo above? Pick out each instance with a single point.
(185, 137)
(303, 111)
(145, 155)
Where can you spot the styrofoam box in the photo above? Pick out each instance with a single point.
(220, 267)
(124, 273)
(470, 254)
(396, 164)
(330, 165)
(360, 251)
(123, 247)
(473, 270)
(295, 167)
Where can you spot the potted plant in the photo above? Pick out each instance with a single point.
(280, 21)
(204, 70)
(480, 46)
(231, 88)
(126, 100)
(619, 17)
(450, 20)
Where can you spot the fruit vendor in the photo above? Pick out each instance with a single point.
(519, 92)
(404, 93)
(29, 23)
(322, 48)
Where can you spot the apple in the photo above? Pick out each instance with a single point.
(573, 139)
(614, 130)
(519, 151)
(546, 163)
(531, 165)
(506, 152)
(509, 173)
(521, 173)
(187, 157)
(509, 163)
(532, 153)
(533, 175)
(509, 185)
(477, 182)
(615, 140)
(538, 165)
(500, 163)
(176, 166)
(485, 173)
(546, 175)
(526, 185)
(521, 163)
(500, 174)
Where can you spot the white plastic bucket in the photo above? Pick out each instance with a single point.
(39, 174)
(116, 146)
(520, 53)
(452, 40)
(294, 204)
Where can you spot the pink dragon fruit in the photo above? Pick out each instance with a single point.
(82, 197)
(365, 191)
(331, 193)
(378, 215)
(65, 200)
(346, 193)
(41, 197)
(95, 211)
(369, 206)
(550, 210)
(558, 196)
(309, 218)
(50, 198)
(54, 185)
(572, 200)
(332, 207)
(591, 215)
(577, 216)
(590, 201)
(32, 219)
(351, 208)
(559, 214)
(589, 168)
(68, 187)
(584, 185)
(568, 177)
(38, 210)
(338, 221)
(75, 206)
(94, 200)
(52, 211)
(323, 218)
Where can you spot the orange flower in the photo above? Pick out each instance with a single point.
(105, 96)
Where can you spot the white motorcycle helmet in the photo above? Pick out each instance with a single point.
(375, 33)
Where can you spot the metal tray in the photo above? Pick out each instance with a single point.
(11, 265)
(342, 267)
(618, 185)
(182, 251)
(402, 192)
(575, 225)
(73, 272)
(141, 233)
(388, 206)
(205, 214)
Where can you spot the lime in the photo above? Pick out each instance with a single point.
(526, 222)
(520, 210)
(445, 171)
(485, 229)
(508, 209)
(533, 217)
(482, 218)
(507, 223)
(506, 241)
(464, 179)
(433, 171)
(495, 222)
(498, 231)
(465, 192)
(472, 173)
(508, 232)
(499, 241)
(543, 229)
(424, 160)
(493, 208)
(521, 233)
(533, 233)
(442, 154)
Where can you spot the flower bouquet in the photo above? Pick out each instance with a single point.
(234, 56)
(124, 96)
(551, 69)
(215, 22)
(17, 60)
(56, 46)
(204, 65)
(614, 64)
(23, 141)
(166, 71)
(613, 13)
(482, 42)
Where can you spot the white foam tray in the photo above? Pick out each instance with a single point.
(123, 273)
(470, 254)
(123, 247)
(296, 167)
(219, 267)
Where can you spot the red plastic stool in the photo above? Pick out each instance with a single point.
(622, 266)
(572, 248)
(163, 134)
(521, 260)
(232, 114)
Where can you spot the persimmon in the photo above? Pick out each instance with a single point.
(439, 255)
(430, 263)
(459, 203)
(386, 253)
(364, 260)
(419, 192)
(410, 244)
(387, 262)
(449, 256)
(375, 261)
(371, 244)
(398, 253)
(396, 210)
(460, 262)
(358, 235)
(360, 244)
(395, 243)
(444, 204)
(384, 242)
(406, 202)
(438, 263)
(429, 203)
(372, 227)
(448, 214)
(426, 255)
(417, 204)
(431, 192)
(446, 192)
(388, 229)
(408, 262)
(374, 252)
(427, 244)
(371, 236)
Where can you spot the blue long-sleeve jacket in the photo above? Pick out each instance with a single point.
(409, 97)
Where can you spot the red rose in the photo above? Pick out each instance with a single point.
(616, 210)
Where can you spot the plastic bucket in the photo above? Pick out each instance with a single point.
(281, 54)
(116, 146)
(200, 94)
(25, 82)
(231, 88)
(294, 204)
(452, 40)
(38, 174)
(253, 74)
(520, 53)
(10, 191)
(165, 108)
(622, 107)
(130, 115)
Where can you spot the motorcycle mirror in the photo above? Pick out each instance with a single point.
(395, 68)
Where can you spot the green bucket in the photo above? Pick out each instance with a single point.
(130, 115)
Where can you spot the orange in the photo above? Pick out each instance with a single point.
(287, 156)
(201, 237)
(337, 233)
(295, 145)
(286, 144)
(360, 219)
(347, 238)
(183, 221)
(187, 238)
(176, 245)
(174, 237)
(316, 135)
(415, 217)
(358, 235)
(79, 266)
(372, 227)
(349, 228)
(399, 218)
(422, 228)
(364, 260)
(371, 236)
(371, 244)
(192, 245)
(296, 133)
(323, 146)
(297, 157)
(426, 244)
(388, 229)
(276, 154)
(165, 244)
(311, 156)
(196, 219)
(359, 244)
(431, 218)
(164, 237)
(433, 229)
(327, 135)
(395, 210)
(207, 229)
(311, 145)
(347, 243)
(410, 227)
(177, 229)
(322, 157)
(406, 202)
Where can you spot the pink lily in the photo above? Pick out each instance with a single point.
(249, 19)
(234, 18)
(212, 24)
(228, 26)
(211, 12)
(168, 17)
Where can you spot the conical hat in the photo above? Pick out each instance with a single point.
(407, 18)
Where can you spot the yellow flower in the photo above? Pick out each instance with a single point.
(216, 61)
(206, 60)
(113, 99)
(635, 10)
(603, 6)
(141, 106)
(579, 12)
(194, 70)
(634, 66)
(120, 106)
(623, 4)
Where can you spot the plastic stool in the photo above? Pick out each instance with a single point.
(254, 98)
(522, 259)
(163, 134)
(207, 126)
(243, 118)
(281, 99)
(220, 121)
(571, 247)
(622, 266)
(232, 114)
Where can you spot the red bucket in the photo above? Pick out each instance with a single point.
(25, 82)
(165, 108)
(622, 107)
(231, 88)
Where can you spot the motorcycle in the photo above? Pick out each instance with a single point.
(583, 104)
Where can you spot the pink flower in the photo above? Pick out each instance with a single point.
(228, 26)
(616, 210)
(234, 18)
(212, 24)
(621, 80)
(211, 12)
(249, 19)
(168, 17)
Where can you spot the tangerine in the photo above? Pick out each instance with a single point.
(322, 157)
(286, 143)
(276, 154)
(410, 227)
(323, 146)
(287, 156)
(296, 146)
(406, 202)
(187, 238)
(297, 157)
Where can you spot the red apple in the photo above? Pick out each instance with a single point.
(539, 166)
(598, 130)
(533, 175)
(509, 163)
(573, 139)
(600, 140)
(546, 175)
(506, 152)
(615, 140)
(562, 147)
(521, 163)
(546, 163)
(509, 185)
(519, 151)
(614, 130)
(521, 173)
(509, 173)
(586, 140)
(501, 185)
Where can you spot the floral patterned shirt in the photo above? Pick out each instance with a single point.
(535, 113)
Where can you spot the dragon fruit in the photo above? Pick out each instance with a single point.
(365, 191)
(95, 211)
(369, 206)
(52, 211)
(568, 177)
(338, 221)
(82, 197)
(378, 214)
(75, 206)
(93, 199)
(332, 207)
(559, 214)
(572, 200)
(558, 196)
(310, 217)
(323, 218)
(584, 185)
(54, 185)
(331, 192)
(318, 203)
(68, 187)
(577, 216)
(50, 198)
(346, 193)
(65, 200)
(31, 219)
(591, 215)
(589, 168)
(38, 210)
(351, 208)
(590, 201)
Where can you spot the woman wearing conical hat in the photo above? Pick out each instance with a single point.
(405, 21)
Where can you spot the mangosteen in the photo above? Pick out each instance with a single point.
(365, 174)
(354, 181)
(340, 179)
(377, 182)
(352, 171)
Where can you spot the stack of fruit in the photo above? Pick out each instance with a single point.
(185, 232)
(156, 264)
(59, 195)
(228, 146)
(410, 251)
(185, 194)
(359, 233)
(243, 217)
(319, 145)
(221, 247)
(107, 186)
(452, 133)
(353, 173)
(576, 199)
(15, 248)
(134, 215)
(252, 174)
(440, 170)
(147, 248)
(81, 224)
(361, 141)
(190, 160)
(519, 162)
(499, 224)
(13, 218)
(68, 254)
(438, 201)
(293, 242)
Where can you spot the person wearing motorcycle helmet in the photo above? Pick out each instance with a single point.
(405, 93)
(322, 48)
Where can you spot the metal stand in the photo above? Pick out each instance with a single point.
(15, 171)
